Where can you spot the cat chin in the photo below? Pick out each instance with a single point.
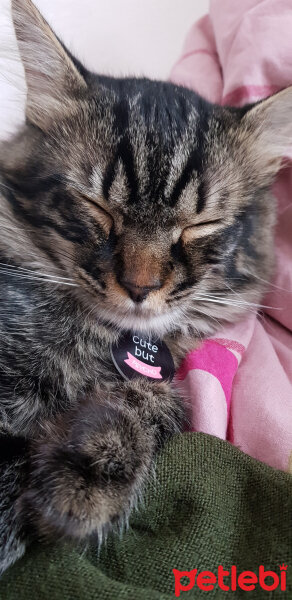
(159, 325)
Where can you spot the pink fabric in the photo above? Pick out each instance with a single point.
(214, 358)
(239, 53)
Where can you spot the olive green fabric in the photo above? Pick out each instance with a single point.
(209, 504)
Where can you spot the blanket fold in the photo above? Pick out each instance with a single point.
(209, 504)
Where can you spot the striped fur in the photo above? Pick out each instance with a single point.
(114, 184)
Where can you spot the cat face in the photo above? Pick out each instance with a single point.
(152, 202)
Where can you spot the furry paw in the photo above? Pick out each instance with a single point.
(159, 408)
(87, 479)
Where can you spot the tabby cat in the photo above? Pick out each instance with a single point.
(126, 205)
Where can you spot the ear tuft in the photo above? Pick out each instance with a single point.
(52, 78)
(268, 131)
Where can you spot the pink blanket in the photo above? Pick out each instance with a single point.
(239, 384)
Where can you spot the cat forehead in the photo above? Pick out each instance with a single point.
(139, 152)
(136, 181)
(139, 170)
(149, 113)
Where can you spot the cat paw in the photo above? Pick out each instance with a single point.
(89, 481)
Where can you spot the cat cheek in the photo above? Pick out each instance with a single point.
(115, 292)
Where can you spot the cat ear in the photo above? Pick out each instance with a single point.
(268, 131)
(52, 78)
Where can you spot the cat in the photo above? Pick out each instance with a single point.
(127, 205)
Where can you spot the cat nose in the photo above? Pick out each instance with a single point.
(138, 293)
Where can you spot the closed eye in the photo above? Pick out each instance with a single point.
(101, 215)
(201, 229)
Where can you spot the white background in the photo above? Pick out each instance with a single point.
(119, 37)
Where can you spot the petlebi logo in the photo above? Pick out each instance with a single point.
(230, 580)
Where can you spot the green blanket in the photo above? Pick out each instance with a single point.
(209, 505)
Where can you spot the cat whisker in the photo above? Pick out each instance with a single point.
(65, 254)
(241, 303)
(36, 278)
(224, 301)
(260, 306)
(32, 272)
(228, 302)
(272, 285)
(206, 314)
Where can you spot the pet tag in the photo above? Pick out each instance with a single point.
(136, 354)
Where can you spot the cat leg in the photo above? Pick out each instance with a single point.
(13, 475)
(90, 469)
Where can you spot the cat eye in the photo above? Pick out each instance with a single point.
(101, 215)
(201, 229)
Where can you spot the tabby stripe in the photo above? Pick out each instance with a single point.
(195, 161)
(184, 285)
(74, 231)
(201, 197)
(124, 149)
(126, 154)
(109, 177)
